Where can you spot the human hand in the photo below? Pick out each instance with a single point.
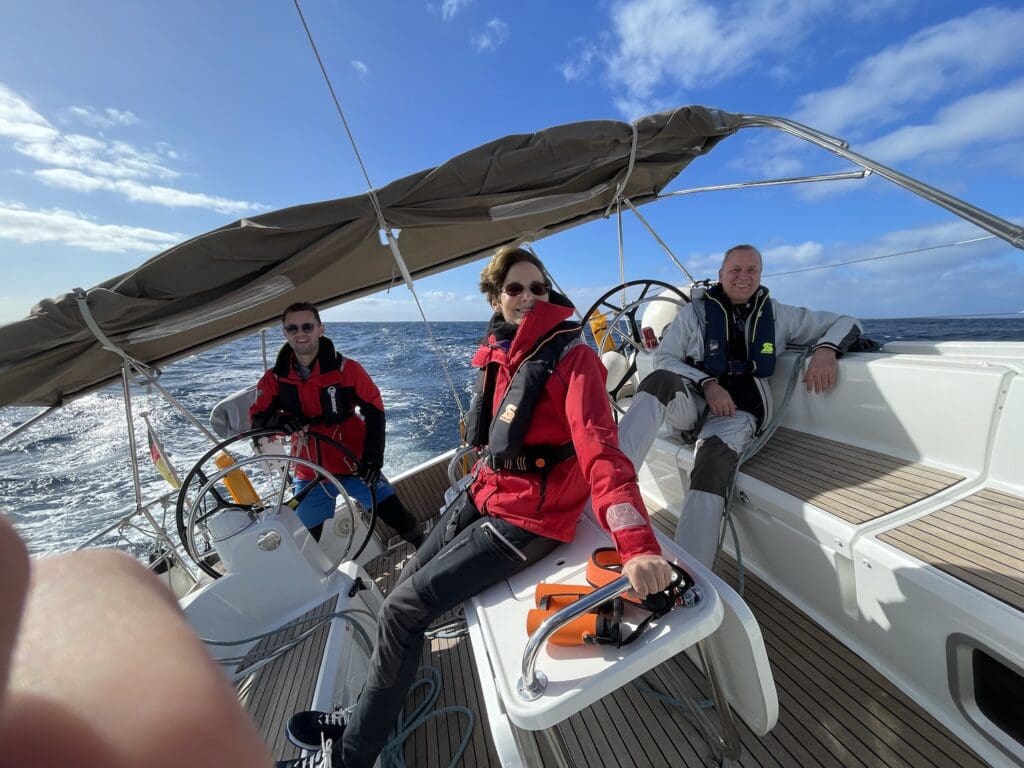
(288, 423)
(648, 574)
(369, 471)
(821, 371)
(719, 400)
(97, 635)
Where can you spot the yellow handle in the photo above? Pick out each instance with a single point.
(238, 483)
(599, 327)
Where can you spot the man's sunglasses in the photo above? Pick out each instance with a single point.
(537, 288)
(305, 328)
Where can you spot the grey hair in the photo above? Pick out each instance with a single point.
(742, 247)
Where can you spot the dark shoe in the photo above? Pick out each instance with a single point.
(328, 759)
(308, 729)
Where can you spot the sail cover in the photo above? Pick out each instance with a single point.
(236, 279)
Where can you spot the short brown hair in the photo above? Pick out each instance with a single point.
(301, 306)
(492, 277)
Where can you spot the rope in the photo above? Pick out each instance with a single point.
(749, 452)
(392, 756)
(271, 654)
(452, 629)
(622, 248)
(886, 256)
(381, 221)
(650, 693)
(629, 171)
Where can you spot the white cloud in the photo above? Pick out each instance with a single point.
(165, 149)
(444, 296)
(691, 44)
(867, 10)
(579, 64)
(912, 278)
(144, 193)
(89, 163)
(794, 256)
(893, 255)
(20, 122)
(495, 33)
(933, 62)
(451, 7)
(28, 226)
(360, 67)
(106, 118)
(116, 160)
(990, 116)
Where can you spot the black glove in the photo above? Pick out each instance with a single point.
(286, 422)
(369, 472)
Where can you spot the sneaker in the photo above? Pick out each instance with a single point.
(330, 758)
(310, 728)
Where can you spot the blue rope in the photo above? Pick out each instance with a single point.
(392, 756)
(646, 690)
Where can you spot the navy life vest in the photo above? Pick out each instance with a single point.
(503, 436)
(718, 330)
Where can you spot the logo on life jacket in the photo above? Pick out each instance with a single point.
(508, 414)
(332, 392)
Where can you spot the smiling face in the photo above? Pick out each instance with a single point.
(303, 332)
(740, 275)
(514, 308)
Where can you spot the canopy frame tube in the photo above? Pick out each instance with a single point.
(1001, 228)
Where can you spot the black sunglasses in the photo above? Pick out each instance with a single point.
(537, 288)
(306, 328)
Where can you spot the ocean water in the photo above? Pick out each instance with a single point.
(69, 476)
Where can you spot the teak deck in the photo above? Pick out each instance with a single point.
(979, 540)
(854, 484)
(835, 709)
(274, 692)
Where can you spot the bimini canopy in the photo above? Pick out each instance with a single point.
(235, 279)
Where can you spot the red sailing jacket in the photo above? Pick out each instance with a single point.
(573, 406)
(328, 399)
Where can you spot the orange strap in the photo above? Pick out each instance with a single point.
(605, 566)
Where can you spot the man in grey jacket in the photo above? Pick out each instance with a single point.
(715, 361)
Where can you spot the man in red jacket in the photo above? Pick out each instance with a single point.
(316, 388)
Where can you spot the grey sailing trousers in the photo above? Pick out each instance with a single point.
(665, 397)
(460, 557)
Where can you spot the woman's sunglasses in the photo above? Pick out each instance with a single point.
(305, 327)
(537, 288)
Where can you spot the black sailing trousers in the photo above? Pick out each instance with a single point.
(461, 556)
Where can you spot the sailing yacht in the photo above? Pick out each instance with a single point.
(867, 604)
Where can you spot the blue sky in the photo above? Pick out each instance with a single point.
(127, 127)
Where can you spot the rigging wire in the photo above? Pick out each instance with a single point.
(381, 221)
(878, 258)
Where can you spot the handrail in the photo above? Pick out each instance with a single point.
(533, 683)
(1001, 228)
(126, 514)
(28, 423)
(842, 176)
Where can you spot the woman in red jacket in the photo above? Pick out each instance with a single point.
(542, 419)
